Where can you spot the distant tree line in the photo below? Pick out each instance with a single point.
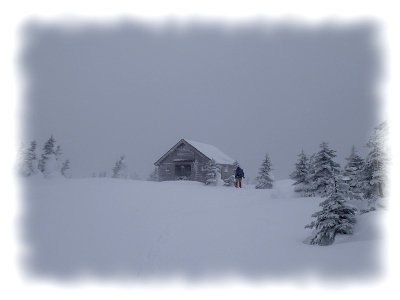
(48, 163)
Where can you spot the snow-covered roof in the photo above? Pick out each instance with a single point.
(212, 152)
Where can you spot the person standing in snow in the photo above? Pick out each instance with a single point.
(239, 174)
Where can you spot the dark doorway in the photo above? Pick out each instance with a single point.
(183, 171)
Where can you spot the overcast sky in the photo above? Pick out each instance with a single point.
(104, 91)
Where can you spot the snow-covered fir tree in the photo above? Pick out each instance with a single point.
(264, 179)
(374, 172)
(348, 192)
(48, 150)
(352, 172)
(120, 168)
(212, 173)
(154, 175)
(29, 160)
(65, 167)
(48, 164)
(311, 171)
(324, 170)
(301, 175)
(336, 216)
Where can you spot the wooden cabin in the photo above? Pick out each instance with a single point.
(186, 160)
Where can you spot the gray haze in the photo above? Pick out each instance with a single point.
(130, 89)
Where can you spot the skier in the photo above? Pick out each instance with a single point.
(239, 174)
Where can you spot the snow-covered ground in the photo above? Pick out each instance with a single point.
(111, 228)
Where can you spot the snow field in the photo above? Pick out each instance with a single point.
(111, 228)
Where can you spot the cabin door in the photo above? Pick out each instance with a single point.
(183, 171)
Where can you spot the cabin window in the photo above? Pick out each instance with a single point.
(225, 169)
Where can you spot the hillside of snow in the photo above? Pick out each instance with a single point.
(112, 228)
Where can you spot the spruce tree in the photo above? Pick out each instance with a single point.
(65, 167)
(48, 164)
(48, 150)
(212, 173)
(353, 171)
(264, 179)
(311, 172)
(120, 168)
(325, 168)
(29, 160)
(301, 175)
(336, 216)
(374, 173)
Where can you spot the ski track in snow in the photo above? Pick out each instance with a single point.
(108, 228)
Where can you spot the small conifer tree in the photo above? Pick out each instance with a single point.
(264, 179)
(120, 168)
(301, 175)
(49, 164)
(65, 167)
(48, 151)
(352, 172)
(324, 170)
(29, 160)
(374, 172)
(212, 173)
(336, 217)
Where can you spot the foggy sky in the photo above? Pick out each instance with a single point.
(104, 91)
